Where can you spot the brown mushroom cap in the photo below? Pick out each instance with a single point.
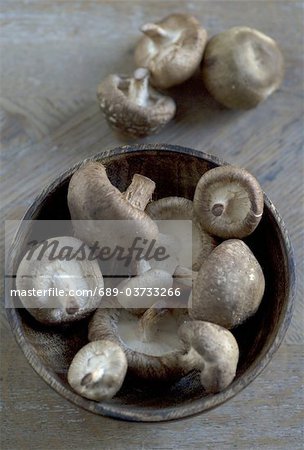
(228, 202)
(155, 360)
(40, 271)
(211, 349)
(132, 106)
(171, 49)
(98, 370)
(241, 67)
(92, 198)
(173, 209)
(229, 286)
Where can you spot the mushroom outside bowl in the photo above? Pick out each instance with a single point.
(176, 171)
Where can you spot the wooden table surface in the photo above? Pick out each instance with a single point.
(53, 55)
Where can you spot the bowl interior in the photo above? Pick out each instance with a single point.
(50, 350)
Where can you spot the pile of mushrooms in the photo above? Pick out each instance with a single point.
(152, 337)
(168, 54)
(240, 67)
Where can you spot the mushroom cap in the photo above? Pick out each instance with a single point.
(241, 67)
(213, 350)
(43, 273)
(228, 202)
(125, 115)
(229, 286)
(174, 60)
(98, 370)
(173, 209)
(151, 361)
(92, 198)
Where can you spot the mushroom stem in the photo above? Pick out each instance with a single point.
(139, 87)
(191, 360)
(155, 32)
(92, 377)
(184, 276)
(142, 266)
(140, 191)
(72, 306)
(87, 379)
(150, 319)
(217, 209)
(71, 310)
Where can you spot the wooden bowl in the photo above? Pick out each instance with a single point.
(176, 171)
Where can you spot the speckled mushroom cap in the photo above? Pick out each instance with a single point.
(92, 198)
(228, 202)
(132, 106)
(171, 49)
(241, 67)
(229, 286)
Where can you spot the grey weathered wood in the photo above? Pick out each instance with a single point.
(53, 55)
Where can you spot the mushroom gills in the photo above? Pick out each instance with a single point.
(138, 91)
(98, 370)
(212, 350)
(154, 360)
(164, 337)
(63, 276)
(171, 49)
(230, 202)
(189, 244)
(132, 106)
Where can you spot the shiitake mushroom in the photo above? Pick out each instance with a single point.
(171, 49)
(229, 286)
(212, 350)
(150, 341)
(98, 370)
(193, 248)
(132, 106)
(228, 202)
(40, 273)
(241, 67)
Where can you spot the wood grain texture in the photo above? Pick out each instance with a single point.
(266, 415)
(54, 53)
